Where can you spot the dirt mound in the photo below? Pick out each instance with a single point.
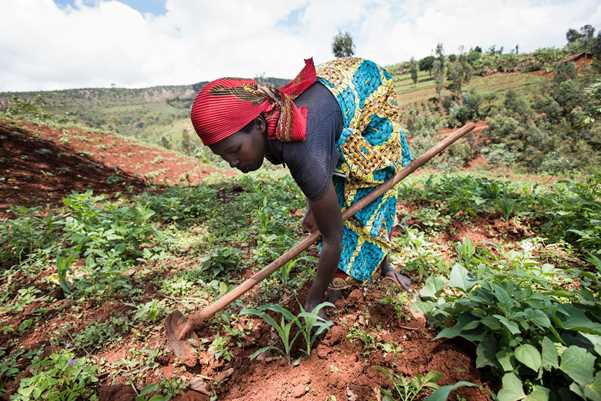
(36, 171)
(40, 165)
(342, 368)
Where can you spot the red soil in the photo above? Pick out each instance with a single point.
(40, 165)
(337, 367)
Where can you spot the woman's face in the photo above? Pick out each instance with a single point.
(243, 150)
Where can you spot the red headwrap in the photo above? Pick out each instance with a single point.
(224, 106)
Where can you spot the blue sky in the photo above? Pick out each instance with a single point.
(155, 7)
(58, 44)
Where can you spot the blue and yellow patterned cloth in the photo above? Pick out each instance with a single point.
(373, 146)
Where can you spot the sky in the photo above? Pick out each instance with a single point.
(60, 44)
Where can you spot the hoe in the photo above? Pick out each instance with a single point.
(184, 350)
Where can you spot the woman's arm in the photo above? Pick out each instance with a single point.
(329, 222)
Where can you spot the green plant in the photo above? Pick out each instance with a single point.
(151, 311)
(98, 334)
(283, 328)
(163, 391)
(8, 368)
(63, 268)
(398, 301)
(538, 338)
(60, 377)
(219, 348)
(25, 233)
(368, 341)
(312, 325)
(309, 324)
(406, 388)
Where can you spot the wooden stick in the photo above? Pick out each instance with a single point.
(249, 283)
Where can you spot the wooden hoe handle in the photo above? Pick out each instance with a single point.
(249, 283)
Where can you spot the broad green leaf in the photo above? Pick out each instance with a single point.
(491, 323)
(432, 286)
(576, 319)
(538, 317)
(485, 352)
(512, 389)
(460, 278)
(550, 358)
(578, 364)
(502, 295)
(464, 322)
(511, 326)
(443, 392)
(593, 391)
(504, 359)
(577, 389)
(529, 356)
(595, 340)
(539, 393)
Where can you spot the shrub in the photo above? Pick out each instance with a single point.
(538, 338)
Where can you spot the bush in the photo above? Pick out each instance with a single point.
(535, 336)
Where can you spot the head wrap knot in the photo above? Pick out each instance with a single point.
(224, 106)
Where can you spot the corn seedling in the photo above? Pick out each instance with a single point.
(312, 325)
(309, 324)
(283, 328)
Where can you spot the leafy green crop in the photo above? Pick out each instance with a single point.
(542, 340)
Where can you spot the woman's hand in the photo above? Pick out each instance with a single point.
(309, 221)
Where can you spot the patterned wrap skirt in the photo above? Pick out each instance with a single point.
(372, 147)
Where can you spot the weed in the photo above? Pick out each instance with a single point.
(97, 335)
(8, 368)
(151, 311)
(219, 348)
(163, 391)
(408, 388)
(24, 234)
(398, 300)
(369, 342)
(59, 377)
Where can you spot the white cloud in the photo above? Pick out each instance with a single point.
(43, 46)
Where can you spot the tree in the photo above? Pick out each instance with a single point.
(187, 145)
(426, 64)
(596, 51)
(438, 71)
(413, 70)
(459, 73)
(573, 35)
(564, 71)
(165, 142)
(439, 51)
(343, 45)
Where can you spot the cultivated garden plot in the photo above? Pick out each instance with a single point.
(507, 277)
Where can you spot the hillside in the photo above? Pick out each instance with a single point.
(40, 165)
